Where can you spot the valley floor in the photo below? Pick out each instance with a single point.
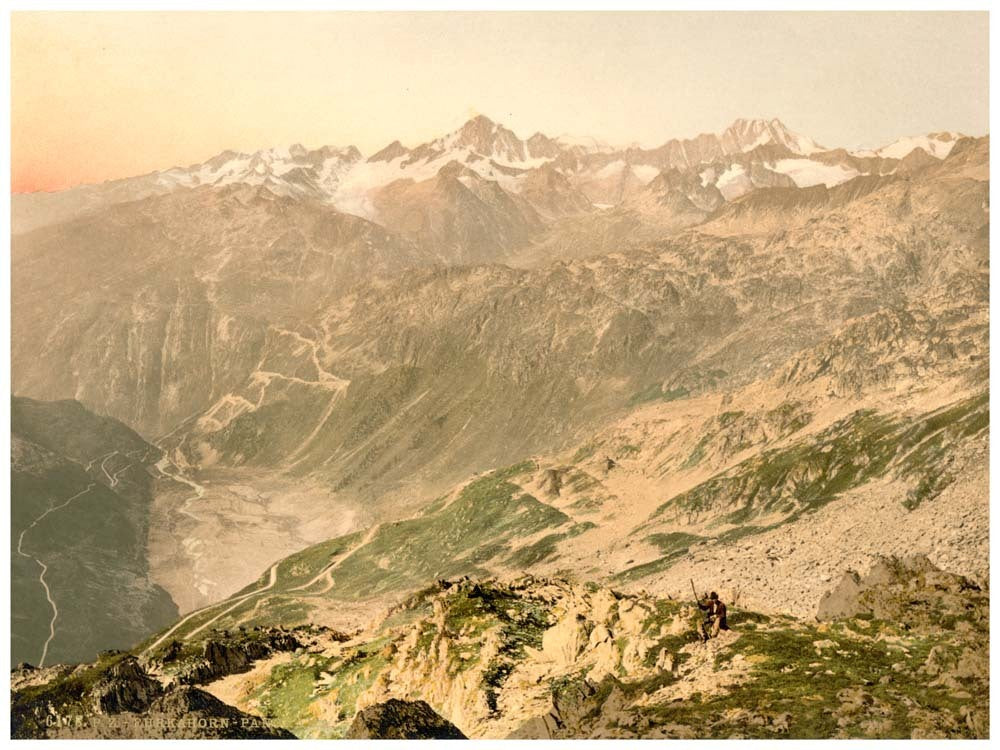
(213, 531)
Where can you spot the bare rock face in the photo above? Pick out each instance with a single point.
(402, 720)
(572, 705)
(909, 590)
(843, 601)
(125, 702)
(126, 687)
(200, 716)
(552, 482)
(224, 656)
(564, 642)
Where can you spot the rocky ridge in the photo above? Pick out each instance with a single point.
(533, 657)
(401, 720)
(118, 698)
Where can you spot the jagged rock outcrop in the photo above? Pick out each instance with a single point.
(909, 590)
(227, 655)
(126, 687)
(121, 700)
(552, 481)
(401, 720)
(543, 658)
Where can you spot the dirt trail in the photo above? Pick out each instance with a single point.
(327, 572)
(45, 568)
(177, 476)
(236, 602)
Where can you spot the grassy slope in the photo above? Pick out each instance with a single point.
(801, 478)
(479, 528)
(792, 676)
(466, 536)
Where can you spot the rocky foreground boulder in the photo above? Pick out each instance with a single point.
(224, 655)
(402, 720)
(125, 686)
(122, 697)
(181, 713)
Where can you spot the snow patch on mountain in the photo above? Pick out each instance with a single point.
(645, 172)
(746, 135)
(734, 182)
(344, 179)
(808, 172)
(800, 144)
(936, 144)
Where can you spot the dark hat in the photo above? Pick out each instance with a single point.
(713, 595)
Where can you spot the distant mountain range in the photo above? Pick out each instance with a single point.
(748, 154)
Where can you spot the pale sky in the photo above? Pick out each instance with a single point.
(97, 96)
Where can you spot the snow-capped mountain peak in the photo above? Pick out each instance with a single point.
(485, 138)
(280, 168)
(746, 135)
(749, 154)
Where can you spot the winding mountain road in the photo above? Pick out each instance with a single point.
(235, 603)
(325, 574)
(45, 568)
(104, 467)
(115, 477)
(199, 491)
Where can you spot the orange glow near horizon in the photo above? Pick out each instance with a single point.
(99, 96)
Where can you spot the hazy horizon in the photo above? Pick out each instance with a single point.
(135, 94)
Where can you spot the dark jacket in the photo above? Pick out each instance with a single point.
(720, 613)
(714, 609)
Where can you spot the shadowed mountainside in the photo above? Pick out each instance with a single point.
(80, 507)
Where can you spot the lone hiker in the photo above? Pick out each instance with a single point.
(715, 616)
